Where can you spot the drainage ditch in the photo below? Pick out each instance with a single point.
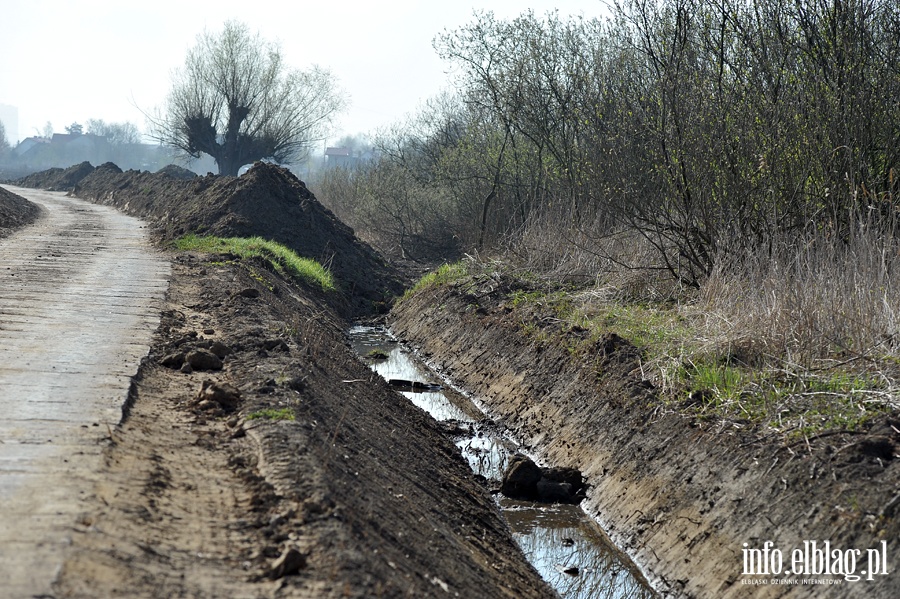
(563, 543)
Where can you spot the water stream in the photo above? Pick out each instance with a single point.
(563, 543)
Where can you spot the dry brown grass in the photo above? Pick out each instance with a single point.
(806, 338)
(817, 302)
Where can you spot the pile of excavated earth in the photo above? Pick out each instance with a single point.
(15, 212)
(259, 457)
(268, 201)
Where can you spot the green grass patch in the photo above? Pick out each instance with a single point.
(283, 259)
(272, 414)
(721, 382)
(444, 274)
(707, 378)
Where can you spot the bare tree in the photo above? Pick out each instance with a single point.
(235, 100)
(117, 134)
(4, 143)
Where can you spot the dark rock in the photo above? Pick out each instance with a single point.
(249, 292)
(186, 338)
(455, 428)
(554, 492)
(570, 476)
(186, 368)
(521, 478)
(290, 562)
(203, 359)
(524, 479)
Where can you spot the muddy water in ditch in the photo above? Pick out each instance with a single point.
(568, 548)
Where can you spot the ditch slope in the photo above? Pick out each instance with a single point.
(288, 470)
(681, 495)
(257, 456)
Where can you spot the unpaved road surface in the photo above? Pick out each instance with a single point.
(80, 294)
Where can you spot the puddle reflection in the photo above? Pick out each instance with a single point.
(568, 548)
(487, 455)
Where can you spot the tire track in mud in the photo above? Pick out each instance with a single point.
(80, 294)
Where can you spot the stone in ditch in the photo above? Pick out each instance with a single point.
(521, 478)
(570, 476)
(554, 492)
(203, 359)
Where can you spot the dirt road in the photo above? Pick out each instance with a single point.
(80, 294)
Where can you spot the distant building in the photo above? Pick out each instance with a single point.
(335, 157)
(9, 116)
(27, 146)
(347, 157)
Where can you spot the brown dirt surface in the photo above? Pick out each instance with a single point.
(681, 495)
(15, 212)
(293, 471)
(268, 201)
(57, 179)
(176, 172)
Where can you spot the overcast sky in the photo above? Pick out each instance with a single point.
(68, 61)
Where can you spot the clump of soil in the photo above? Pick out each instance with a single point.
(176, 172)
(268, 201)
(57, 179)
(15, 212)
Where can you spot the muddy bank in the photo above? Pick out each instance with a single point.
(682, 496)
(15, 212)
(280, 465)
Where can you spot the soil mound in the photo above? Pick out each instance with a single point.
(57, 179)
(176, 172)
(15, 212)
(269, 202)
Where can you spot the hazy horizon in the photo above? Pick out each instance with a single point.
(66, 62)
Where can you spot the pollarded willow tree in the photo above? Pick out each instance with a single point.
(237, 101)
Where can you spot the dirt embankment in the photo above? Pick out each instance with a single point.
(316, 462)
(268, 201)
(15, 212)
(57, 179)
(682, 496)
